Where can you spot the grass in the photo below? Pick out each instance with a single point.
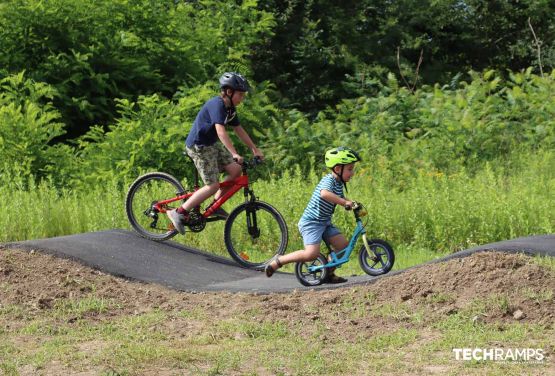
(433, 216)
(426, 218)
(545, 261)
(130, 344)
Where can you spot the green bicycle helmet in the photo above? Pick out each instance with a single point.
(341, 156)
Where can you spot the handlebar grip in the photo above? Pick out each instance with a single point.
(353, 207)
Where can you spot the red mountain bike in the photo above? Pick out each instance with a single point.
(254, 231)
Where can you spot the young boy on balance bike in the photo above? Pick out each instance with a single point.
(315, 223)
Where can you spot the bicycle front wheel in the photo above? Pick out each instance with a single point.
(379, 260)
(255, 232)
(146, 191)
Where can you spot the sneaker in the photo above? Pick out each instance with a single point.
(177, 220)
(220, 213)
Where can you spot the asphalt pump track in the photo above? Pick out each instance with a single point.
(124, 254)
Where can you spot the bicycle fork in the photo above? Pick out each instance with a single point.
(252, 224)
(371, 254)
(365, 242)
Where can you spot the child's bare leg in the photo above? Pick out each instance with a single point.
(310, 253)
(200, 195)
(338, 242)
(233, 171)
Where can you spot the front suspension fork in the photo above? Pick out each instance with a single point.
(252, 222)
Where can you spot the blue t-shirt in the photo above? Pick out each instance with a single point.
(319, 209)
(203, 132)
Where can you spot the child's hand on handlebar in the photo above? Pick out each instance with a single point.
(237, 158)
(258, 154)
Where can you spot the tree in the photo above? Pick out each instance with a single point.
(95, 52)
(323, 51)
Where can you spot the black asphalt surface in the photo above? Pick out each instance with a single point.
(125, 254)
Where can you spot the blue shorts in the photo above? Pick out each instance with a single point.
(313, 232)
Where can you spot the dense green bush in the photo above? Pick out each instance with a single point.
(96, 52)
(437, 128)
(28, 123)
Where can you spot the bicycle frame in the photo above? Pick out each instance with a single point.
(341, 257)
(233, 186)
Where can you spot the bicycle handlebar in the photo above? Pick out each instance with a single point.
(358, 209)
(355, 206)
(247, 164)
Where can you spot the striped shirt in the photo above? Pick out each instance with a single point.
(319, 209)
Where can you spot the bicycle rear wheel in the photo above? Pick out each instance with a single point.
(254, 233)
(146, 191)
(308, 278)
(380, 260)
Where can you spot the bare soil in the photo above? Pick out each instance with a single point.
(37, 281)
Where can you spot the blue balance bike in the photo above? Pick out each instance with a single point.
(376, 256)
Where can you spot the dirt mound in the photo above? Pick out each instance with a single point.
(64, 296)
(509, 283)
(499, 277)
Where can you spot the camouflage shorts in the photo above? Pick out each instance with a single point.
(210, 161)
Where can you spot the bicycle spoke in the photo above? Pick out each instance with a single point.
(254, 234)
(379, 259)
(142, 196)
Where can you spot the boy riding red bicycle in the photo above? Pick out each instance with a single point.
(211, 149)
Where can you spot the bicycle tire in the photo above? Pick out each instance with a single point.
(309, 279)
(255, 245)
(382, 254)
(138, 204)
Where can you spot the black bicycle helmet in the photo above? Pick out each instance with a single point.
(234, 81)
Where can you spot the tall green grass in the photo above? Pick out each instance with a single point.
(424, 217)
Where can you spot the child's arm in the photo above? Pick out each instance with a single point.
(335, 199)
(224, 138)
(244, 136)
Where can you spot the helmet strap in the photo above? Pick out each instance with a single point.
(231, 108)
(341, 177)
(229, 97)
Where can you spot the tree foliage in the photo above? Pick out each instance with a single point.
(437, 128)
(91, 91)
(96, 52)
(323, 51)
(28, 123)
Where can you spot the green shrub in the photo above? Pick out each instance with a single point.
(28, 125)
(96, 52)
(436, 128)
